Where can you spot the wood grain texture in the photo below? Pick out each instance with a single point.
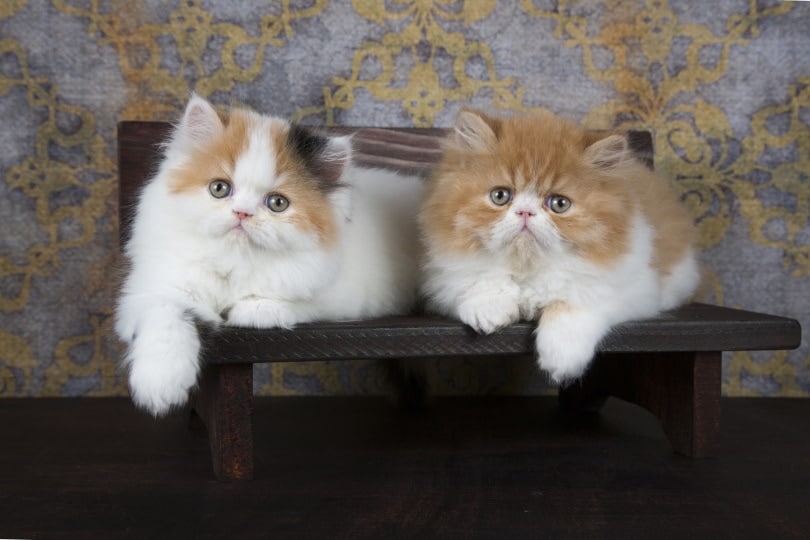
(695, 327)
(476, 468)
(138, 160)
(682, 390)
(224, 402)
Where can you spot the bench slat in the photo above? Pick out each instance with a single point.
(694, 327)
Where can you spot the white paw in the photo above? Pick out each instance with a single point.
(487, 314)
(563, 359)
(160, 387)
(163, 360)
(566, 344)
(261, 313)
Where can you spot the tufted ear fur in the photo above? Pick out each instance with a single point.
(337, 156)
(608, 153)
(474, 131)
(200, 124)
(325, 157)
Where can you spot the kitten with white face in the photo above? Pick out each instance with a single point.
(251, 221)
(532, 217)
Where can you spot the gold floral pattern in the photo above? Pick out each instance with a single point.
(742, 165)
(423, 38)
(160, 91)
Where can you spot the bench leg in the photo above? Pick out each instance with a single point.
(224, 402)
(682, 389)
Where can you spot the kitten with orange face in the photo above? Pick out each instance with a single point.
(531, 217)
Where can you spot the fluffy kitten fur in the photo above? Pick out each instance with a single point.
(618, 247)
(334, 248)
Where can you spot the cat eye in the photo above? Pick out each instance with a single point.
(277, 203)
(500, 196)
(558, 204)
(219, 189)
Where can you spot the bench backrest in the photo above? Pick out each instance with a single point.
(410, 150)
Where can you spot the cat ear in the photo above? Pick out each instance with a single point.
(608, 152)
(473, 131)
(336, 157)
(325, 157)
(200, 123)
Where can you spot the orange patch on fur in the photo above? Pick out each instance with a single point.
(544, 155)
(311, 210)
(216, 159)
(555, 308)
(674, 228)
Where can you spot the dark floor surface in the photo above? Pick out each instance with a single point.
(359, 468)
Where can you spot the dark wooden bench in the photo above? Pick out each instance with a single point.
(671, 365)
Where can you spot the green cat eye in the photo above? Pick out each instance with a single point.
(559, 204)
(500, 196)
(219, 189)
(277, 203)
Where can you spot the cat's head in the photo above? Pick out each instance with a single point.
(529, 186)
(256, 180)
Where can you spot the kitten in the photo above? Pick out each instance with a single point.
(531, 217)
(251, 221)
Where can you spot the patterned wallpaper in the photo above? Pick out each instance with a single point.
(724, 85)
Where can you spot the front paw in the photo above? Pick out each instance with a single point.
(564, 360)
(161, 383)
(566, 344)
(163, 360)
(488, 314)
(260, 313)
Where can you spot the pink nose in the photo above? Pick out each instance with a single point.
(242, 215)
(524, 213)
